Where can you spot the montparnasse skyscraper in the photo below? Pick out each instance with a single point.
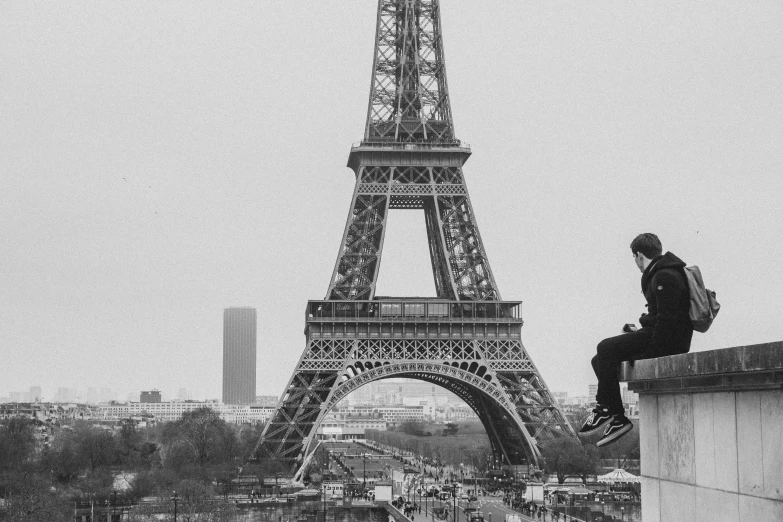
(239, 355)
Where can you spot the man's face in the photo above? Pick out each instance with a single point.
(639, 259)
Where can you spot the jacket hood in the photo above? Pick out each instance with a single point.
(667, 260)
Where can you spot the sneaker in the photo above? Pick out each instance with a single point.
(597, 420)
(619, 426)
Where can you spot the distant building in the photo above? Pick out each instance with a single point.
(592, 391)
(152, 396)
(391, 415)
(267, 400)
(239, 355)
(415, 401)
(66, 394)
(629, 397)
(36, 395)
(398, 414)
(560, 397)
(580, 401)
(338, 426)
(172, 411)
(258, 413)
(245, 413)
(114, 410)
(460, 412)
(44, 411)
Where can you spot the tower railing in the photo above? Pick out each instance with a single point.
(416, 145)
(415, 309)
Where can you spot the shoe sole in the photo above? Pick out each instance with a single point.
(614, 436)
(597, 428)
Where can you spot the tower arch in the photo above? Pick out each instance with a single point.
(491, 405)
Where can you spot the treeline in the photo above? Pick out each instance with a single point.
(195, 455)
(466, 443)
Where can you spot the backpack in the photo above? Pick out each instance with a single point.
(704, 306)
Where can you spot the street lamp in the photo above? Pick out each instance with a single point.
(175, 498)
(323, 494)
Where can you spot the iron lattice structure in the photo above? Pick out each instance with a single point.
(409, 100)
(466, 340)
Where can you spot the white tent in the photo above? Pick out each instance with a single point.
(619, 476)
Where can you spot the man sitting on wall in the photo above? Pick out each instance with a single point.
(666, 330)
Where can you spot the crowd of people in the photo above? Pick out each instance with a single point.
(408, 508)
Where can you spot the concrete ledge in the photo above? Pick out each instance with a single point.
(710, 427)
(755, 367)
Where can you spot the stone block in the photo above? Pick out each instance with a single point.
(704, 439)
(648, 435)
(676, 442)
(762, 357)
(750, 471)
(641, 370)
(668, 366)
(724, 410)
(716, 506)
(706, 365)
(728, 360)
(678, 502)
(690, 363)
(651, 499)
(772, 442)
(754, 509)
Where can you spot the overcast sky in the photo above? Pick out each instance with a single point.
(161, 161)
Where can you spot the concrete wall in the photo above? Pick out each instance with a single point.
(711, 429)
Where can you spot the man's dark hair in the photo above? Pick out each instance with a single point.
(648, 244)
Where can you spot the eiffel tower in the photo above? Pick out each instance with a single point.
(466, 340)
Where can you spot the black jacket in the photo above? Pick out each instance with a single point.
(665, 288)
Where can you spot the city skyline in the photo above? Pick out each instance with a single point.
(393, 391)
(155, 173)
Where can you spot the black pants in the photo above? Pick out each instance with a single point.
(606, 364)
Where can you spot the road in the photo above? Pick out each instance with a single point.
(492, 508)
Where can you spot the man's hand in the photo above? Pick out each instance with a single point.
(646, 320)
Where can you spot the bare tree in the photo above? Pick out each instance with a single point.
(95, 446)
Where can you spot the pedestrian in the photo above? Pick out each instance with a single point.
(666, 329)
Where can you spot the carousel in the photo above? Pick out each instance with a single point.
(621, 482)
